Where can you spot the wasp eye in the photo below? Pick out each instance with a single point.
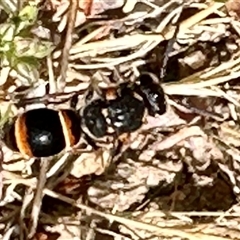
(145, 79)
(152, 94)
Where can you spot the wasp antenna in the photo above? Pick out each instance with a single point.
(89, 94)
(74, 101)
(167, 52)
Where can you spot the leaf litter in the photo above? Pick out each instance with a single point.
(178, 176)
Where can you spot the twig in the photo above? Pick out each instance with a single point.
(37, 202)
(68, 44)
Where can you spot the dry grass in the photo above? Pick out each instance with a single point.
(178, 178)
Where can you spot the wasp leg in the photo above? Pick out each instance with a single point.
(91, 142)
(74, 101)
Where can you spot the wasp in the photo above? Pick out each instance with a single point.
(44, 132)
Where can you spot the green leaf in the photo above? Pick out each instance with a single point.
(10, 7)
(27, 17)
(32, 47)
(27, 71)
(5, 116)
(7, 32)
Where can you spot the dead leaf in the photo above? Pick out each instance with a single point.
(91, 163)
(177, 137)
(86, 6)
(233, 7)
(95, 7)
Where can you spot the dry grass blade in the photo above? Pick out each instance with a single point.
(138, 39)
